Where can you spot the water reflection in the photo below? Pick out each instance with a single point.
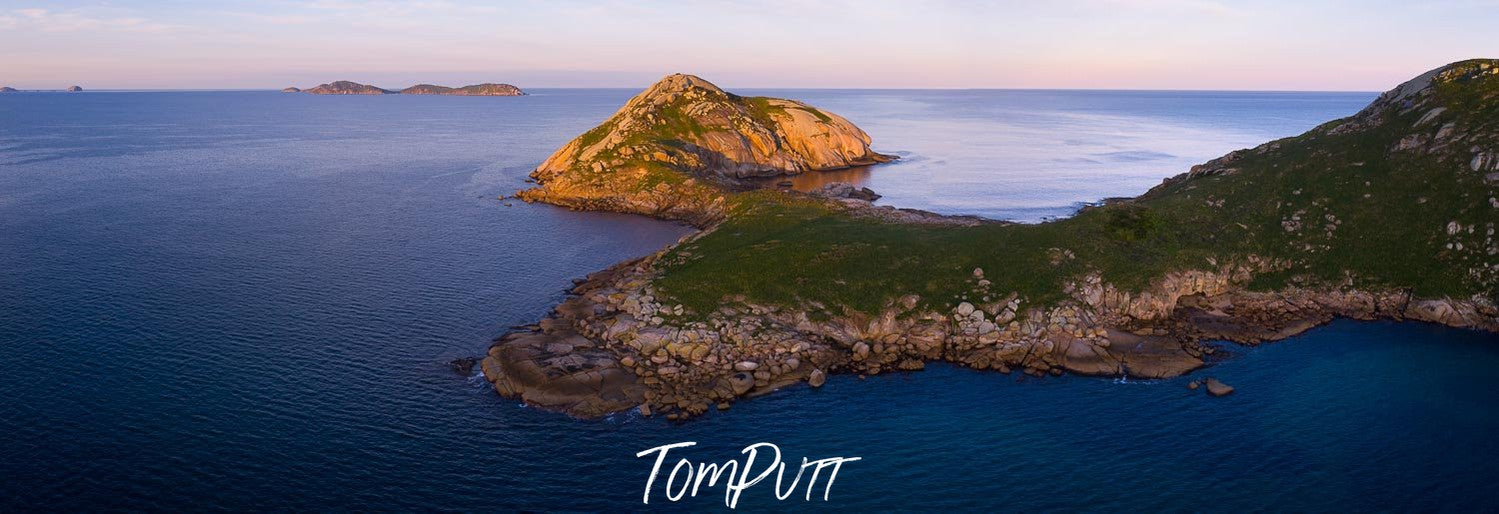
(1032, 155)
(812, 180)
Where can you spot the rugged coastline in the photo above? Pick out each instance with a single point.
(1259, 245)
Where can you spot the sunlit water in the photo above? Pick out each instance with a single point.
(246, 300)
(1034, 155)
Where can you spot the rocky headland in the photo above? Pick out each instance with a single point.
(344, 87)
(1387, 214)
(7, 89)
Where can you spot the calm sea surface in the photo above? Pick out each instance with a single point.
(247, 300)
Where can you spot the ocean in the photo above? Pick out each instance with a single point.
(245, 300)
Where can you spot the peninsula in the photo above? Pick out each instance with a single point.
(1387, 214)
(344, 87)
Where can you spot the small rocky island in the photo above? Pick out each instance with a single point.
(674, 150)
(474, 90)
(344, 87)
(1387, 214)
(74, 89)
(7, 89)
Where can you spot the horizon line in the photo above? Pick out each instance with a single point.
(731, 89)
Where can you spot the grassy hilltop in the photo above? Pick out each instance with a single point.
(1390, 198)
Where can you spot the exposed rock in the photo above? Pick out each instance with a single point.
(675, 149)
(1216, 388)
(741, 383)
(7, 89)
(612, 345)
(344, 87)
(817, 378)
(580, 378)
(463, 365)
(1485, 161)
(291, 90)
(74, 89)
(861, 350)
(844, 190)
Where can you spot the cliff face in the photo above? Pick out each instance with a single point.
(474, 90)
(672, 150)
(344, 87)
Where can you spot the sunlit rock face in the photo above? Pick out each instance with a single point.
(665, 150)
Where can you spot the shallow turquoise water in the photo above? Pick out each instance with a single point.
(248, 300)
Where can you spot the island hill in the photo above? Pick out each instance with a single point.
(344, 87)
(70, 89)
(1387, 214)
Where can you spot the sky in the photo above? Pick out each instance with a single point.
(1301, 45)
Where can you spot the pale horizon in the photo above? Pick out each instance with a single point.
(1188, 45)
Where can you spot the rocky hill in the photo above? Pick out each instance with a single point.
(474, 90)
(344, 87)
(1387, 214)
(674, 149)
(7, 89)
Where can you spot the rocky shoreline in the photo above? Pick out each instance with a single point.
(680, 150)
(612, 346)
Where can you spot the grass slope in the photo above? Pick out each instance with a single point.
(1345, 207)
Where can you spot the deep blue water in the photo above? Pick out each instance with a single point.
(246, 300)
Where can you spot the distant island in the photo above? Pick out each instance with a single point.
(344, 87)
(486, 89)
(1386, 214)
(70, 89)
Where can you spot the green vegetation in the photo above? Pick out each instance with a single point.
(788, 252)
(654, 138)
(762, 109)
(1341, 207)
